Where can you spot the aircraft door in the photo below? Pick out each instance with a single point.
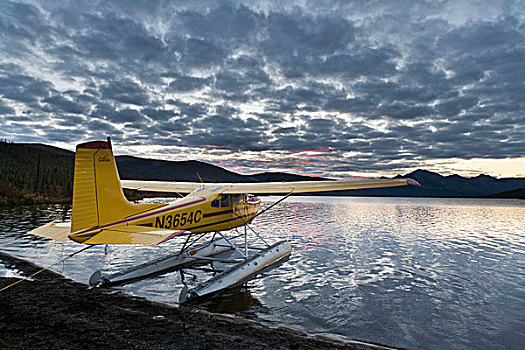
(239, 205)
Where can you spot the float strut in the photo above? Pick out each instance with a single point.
(232, 245)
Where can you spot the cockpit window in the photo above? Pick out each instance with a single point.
(225, 201)
(215, 203)
(237, 198)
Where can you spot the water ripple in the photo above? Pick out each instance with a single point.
(411, 272)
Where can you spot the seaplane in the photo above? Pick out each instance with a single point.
(102, 215)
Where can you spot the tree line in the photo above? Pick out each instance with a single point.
(29, 174)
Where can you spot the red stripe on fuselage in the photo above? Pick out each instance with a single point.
(208, 215)
(220, 222)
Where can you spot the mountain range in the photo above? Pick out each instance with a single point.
(33, 168)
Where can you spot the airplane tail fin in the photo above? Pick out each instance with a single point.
(97, 194)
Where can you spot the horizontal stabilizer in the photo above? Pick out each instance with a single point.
(127, 235)
(266, 187)
(58, 232)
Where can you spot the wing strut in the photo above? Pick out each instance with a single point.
(273, 205)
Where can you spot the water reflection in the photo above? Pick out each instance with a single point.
(9, 272)
(239, 301)
(432, 273)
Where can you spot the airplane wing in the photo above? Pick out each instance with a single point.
(266, 187)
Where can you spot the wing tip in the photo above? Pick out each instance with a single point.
(413, 182)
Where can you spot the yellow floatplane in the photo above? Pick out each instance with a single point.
(102, 215)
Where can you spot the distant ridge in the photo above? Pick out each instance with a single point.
(134, 168)
(436, 185)
(32, 173)
(49, 149)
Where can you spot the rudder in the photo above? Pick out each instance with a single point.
(97, 194)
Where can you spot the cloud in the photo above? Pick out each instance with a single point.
(188, 83)
(23, 88)
(5, 109)
(126, 91)
(398, 85)
(59, 103)
(297, 36)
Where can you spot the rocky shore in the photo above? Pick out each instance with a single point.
(52, 312)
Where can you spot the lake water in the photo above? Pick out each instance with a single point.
(409, 272)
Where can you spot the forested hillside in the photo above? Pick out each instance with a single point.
(33, 175)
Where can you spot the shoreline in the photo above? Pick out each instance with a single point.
(520, 196)
(16, 202)
(50, 311)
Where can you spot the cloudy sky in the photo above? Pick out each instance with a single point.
(341, 89)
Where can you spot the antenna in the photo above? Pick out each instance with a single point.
(200, 179)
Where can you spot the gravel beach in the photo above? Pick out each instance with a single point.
(53, 312)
